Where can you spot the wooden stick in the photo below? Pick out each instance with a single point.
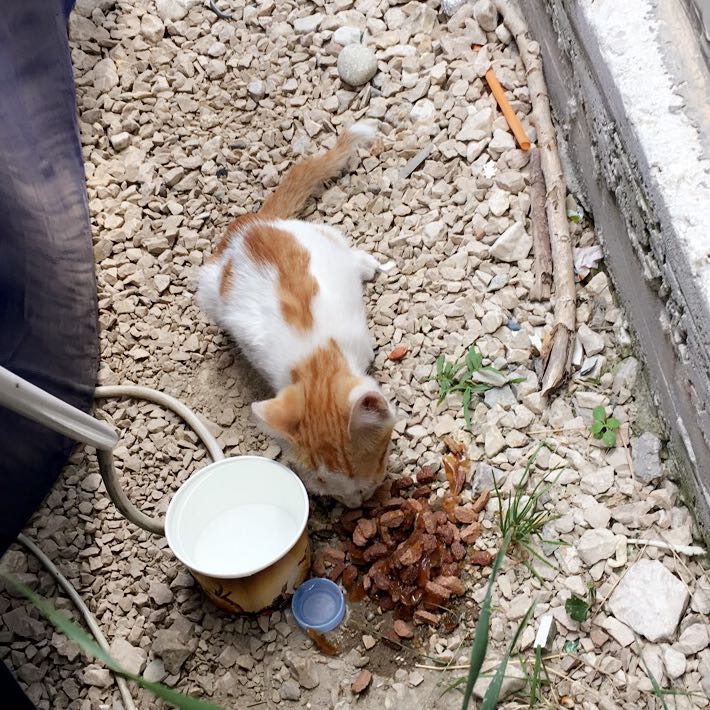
(559, 359)
(507, 110)
(540, 231)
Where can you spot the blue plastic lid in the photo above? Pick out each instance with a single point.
(318, 604)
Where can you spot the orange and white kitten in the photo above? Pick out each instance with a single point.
(290, 293)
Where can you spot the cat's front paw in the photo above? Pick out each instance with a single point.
(388, 267)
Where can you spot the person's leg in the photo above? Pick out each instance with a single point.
(48, 314)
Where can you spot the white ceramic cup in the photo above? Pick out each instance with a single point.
(239, 525)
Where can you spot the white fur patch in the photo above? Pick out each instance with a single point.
(348, 491)
(363, 131)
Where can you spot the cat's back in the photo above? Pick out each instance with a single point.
(281, 286)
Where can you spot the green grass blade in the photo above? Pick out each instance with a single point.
(452, 686)
(535, 680)
(183, 702)
(89, 646)
(466, 401)
(474, 359)
(480, 638)
(66, 626)
(657, 690)
(490, 699)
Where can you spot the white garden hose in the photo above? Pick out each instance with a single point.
(89, 618)
(106, 465)
(30, 401)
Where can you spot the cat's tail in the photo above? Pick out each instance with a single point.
(305, 176)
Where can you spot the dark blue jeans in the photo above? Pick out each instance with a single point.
(48, 312)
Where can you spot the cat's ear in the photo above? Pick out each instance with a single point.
(370, 415)
(281, 415)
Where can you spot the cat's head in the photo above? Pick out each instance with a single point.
(338, 426)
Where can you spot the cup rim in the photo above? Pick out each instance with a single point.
(194, 479)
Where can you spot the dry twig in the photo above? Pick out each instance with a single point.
(560, 354)
(540, 231)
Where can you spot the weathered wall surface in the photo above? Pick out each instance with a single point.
(657, 257)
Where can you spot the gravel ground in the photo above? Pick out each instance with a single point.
(186, 121)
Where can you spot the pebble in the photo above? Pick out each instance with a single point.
(310, 23)
(513, 245)
(653, 663)
(451, 6)
(256, 89)
(172, 649)
(646, 455)
(105, 76)
(596, 545)
(127, 656)
(152, 28)
(290, 690)
(303, 670)
(91, 482)
(674, 662)
(650, 599)
(347, 35)
(245, 661)
(160, 593)
(592, 342)
(693, 639)
(120, 141)
(357, 64)
(477, 126)
(155, 671)
(415, 679)
(598, 481)
(486, 15)
(98, 677)
(596, 514)
(368, 642)
(515, 679)
(621, 633)
(172, 10)
(493, 441)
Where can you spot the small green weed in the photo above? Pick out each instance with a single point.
(604, 427)
(522, 517)
(461, 377)
(579, 608)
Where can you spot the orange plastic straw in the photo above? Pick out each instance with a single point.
(505, 107)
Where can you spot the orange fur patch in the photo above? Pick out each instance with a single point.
(305, 176)
(235, 227)
(323, 436)
(227, 279)
(297, 287)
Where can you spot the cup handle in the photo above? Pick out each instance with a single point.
(34, 403)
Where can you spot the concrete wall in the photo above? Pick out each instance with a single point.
(663, 290)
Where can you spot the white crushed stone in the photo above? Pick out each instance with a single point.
(214, 112)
